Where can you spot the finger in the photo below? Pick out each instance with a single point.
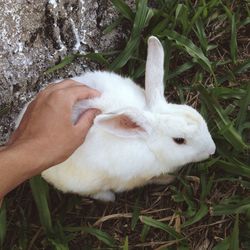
(60, 85)
(86, 120)
(79, 92)
(48, 86)
(66, 83)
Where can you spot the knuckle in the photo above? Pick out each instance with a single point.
(67, 82)
(81, 140)
(58, 94)
(95, 92)
(90, 92)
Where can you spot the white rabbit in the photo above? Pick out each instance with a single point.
(138, 136)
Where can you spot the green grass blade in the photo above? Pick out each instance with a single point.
(23, 231)
(233, 42)
(60, 240)
(245, 21)
(213, 3)
(123, 58)
(244, 126)
(3, 222)
(190, 48)
(135, 214)
(231, 205)
(244, 105)
(234, 168)
(198, 215)
(206, 185)
(97, 57)
(125, 246)
(181, 15)
(40, 194)
(243, 183)
(124, 9)
(178, 10)
(144, 232)
(99, 234)
(228, 93)
(200, 33)
(113, 25)
(160, 27)
(234, 238)
(167, 45)
(179, 70)
(66, 61)
(57, 245)
(142, 17)
(227, 11)
(139, 72)
(223, 123)
(243, 67)
(191, 210)
(195, 18)
(222, 245)
(157, 224)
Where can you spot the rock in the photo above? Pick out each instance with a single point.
(35, 35)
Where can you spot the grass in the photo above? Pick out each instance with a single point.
(207, 65)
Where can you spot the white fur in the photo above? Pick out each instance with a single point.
(154, 74)
(131, 142)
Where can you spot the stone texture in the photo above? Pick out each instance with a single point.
(35, 35)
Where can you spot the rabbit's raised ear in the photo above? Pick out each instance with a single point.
(128, 123)
(154, 73)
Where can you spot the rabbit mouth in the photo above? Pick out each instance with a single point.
(202, 156)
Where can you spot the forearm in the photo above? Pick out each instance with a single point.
(17, 164)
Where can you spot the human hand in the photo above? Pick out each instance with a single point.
(46, 129)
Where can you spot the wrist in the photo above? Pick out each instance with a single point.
(17, 164)
(28, 156)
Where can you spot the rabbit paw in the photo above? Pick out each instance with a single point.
(162, 180)
(104, 196)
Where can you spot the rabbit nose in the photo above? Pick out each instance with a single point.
(212, 149)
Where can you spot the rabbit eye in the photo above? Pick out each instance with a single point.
(179, 140)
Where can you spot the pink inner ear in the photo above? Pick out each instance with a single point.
(126, 123)
(123, 125)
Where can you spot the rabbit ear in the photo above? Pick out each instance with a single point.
(128, 123)
(154, 73)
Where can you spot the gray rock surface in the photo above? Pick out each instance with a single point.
(35, 35)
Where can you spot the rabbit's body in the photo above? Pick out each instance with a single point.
(88, 171)
(137, 137)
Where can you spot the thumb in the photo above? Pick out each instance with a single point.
(86, 119)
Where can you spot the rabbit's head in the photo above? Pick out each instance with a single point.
(176, 134)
